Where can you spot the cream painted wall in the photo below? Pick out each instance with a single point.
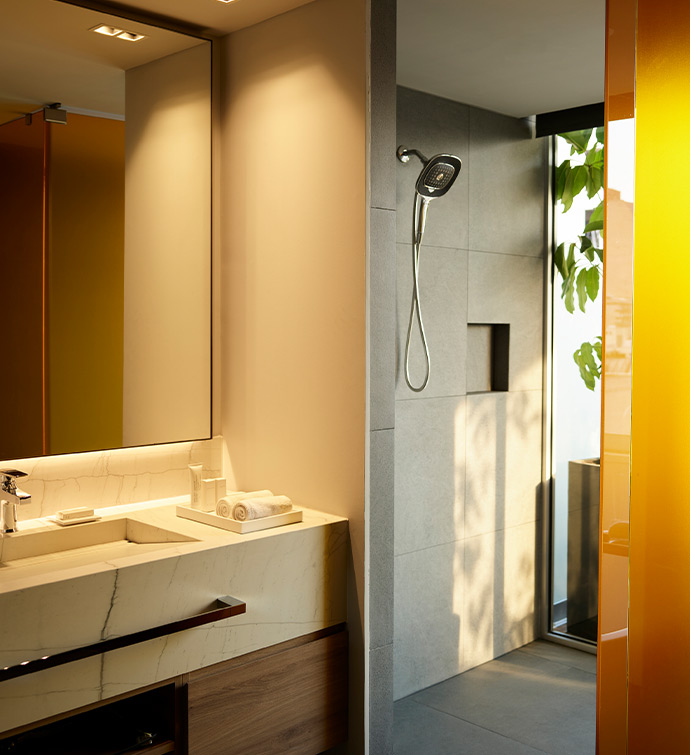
(167, 242)
(293, 228)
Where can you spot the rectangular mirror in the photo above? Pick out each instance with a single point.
(105, 228)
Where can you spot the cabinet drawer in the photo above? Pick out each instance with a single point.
(293, 700)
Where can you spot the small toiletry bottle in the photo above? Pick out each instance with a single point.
(195, 471)
(208, 494)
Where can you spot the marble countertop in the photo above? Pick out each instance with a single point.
(160, 514)
(292, 579)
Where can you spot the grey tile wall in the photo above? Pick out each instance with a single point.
(381, 359)
(468, 467)
(442, 275)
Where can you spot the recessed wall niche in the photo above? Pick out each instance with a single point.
(488, 346)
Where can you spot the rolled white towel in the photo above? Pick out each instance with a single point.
(257, 508)
(227, 502)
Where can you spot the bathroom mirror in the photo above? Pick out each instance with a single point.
(105, 221)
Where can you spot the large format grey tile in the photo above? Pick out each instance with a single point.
(566, 656)
(433, 125)
(383, 103)
(507, 185)
(443, 299)
(429, 472)
(381, 565)
(539, 703)
(421, 729)
(503, 288)
(503, 460)
(428, 608)
(499, 596)
(381, 701)
(382, 319)
(479, 358)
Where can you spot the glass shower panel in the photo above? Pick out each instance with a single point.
(577, 330)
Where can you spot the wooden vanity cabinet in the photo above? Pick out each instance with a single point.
(286, 699)
(289, 698)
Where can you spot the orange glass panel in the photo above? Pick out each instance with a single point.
(658, 699)
(616, 380)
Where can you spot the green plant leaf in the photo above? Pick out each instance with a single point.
(596, 220)
(600, 134)
(588, 360)
(587, 248)
(567, 195)
(592, 282)
(569, 265)
(595, 181)
(579, 140)
(585, 374)
(569, 294)
(580, 176)
(599, 253)
(595, 157)
(582, 289)
(559, 259)
(597, 347)
(561, 173)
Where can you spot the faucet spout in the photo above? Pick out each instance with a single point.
(10, 497)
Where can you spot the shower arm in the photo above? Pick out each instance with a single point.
(404, 155)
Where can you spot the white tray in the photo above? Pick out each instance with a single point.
(251, 525)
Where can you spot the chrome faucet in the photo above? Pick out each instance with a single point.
(10, 497)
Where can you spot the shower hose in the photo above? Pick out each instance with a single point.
(415, 309)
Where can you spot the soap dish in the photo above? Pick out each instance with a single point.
(69, 522)
(232, 525)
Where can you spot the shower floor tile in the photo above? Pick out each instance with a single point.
(540, 698)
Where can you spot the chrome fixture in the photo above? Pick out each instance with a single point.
(438, 175)
(10, 497)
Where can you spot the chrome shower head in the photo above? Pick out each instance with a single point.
(438, 172)
(438, 175)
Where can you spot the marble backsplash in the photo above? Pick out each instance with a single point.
(111, 478)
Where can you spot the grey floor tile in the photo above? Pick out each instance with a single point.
(523, 696)
(419, 729)
(564, 655)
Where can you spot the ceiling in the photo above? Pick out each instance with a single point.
(48, 53)
(518, 57)
(210, 16)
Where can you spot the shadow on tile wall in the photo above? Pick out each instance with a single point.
(468, 466)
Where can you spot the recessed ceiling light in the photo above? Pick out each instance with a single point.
(109, 31)
(113, 31)
(131, 36)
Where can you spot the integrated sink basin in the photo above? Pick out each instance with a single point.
(89, 543)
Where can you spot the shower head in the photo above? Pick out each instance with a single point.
(438, 172)
(438, 175)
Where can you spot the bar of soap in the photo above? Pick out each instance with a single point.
(80, 513)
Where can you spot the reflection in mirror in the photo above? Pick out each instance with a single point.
(105, 231)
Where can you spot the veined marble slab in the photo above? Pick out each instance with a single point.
(292, 579)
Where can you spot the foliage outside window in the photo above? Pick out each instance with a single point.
(580, 261)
